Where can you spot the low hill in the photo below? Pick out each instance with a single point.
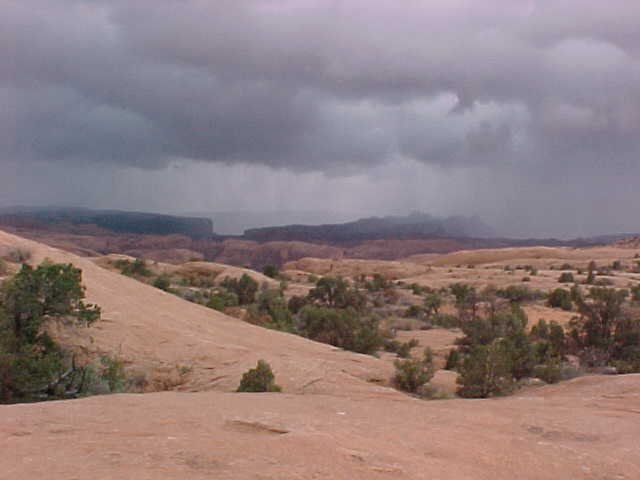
(159, 335)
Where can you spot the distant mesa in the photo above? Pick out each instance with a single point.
(84, 220)
(414, 226)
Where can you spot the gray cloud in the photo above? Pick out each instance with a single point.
(542, 90)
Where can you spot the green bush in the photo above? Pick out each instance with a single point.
(549, 339)
(32, 366)
(445, 320)
(216, 302)
(296, 303)
(432, 303)
(486, 371)
(453, 360)
(413, 373)
(377, 283)
(163, 282)
(517, 293)
(245, 288)
(560, 298)
(270, 271)
(259, 379)
(413, 311)
(344, 328)
(113, 373)
(335, 292)
(566, 277)
(402, 349)
(591, 275)
(550, 371)
(137, 268)
(272, 303)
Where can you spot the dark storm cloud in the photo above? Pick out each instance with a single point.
(329, 86)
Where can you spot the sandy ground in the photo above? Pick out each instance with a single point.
(336, 418)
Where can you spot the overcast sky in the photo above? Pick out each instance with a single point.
(526, 113)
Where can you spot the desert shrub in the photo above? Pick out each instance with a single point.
(566, 266)
(635, 293)
(616, 265)
(3, 267)
(601, 316)
(453, 360)
(391, 345)
(522, 357)
(432, 303)
(413, 373)
(601, 312)
(576, 294)
(344, 328)
(296, 303)
(312, 278)
(163, 282)
(416, 289)
(560, 298)
(566, 277)
(626, 350)
(432, 392)
(335, 292)
(198, 278)
(591, 275)
(569, 371)
(221, 299)
(273, 304)
(377, 283)
(603, 282)
(445, 320)
(486, 371)
(526, 279)
(550, 371)
(245, 288)
(216, 302)
(549, 339)
(18, 255)
(466, 300)
(462, 292)
(113, 373)
(404, 350)
(413, 311)
(137, 268)
(502, 323)
(517, 293)
(259, 379)
(32, 365)
(270, 271)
